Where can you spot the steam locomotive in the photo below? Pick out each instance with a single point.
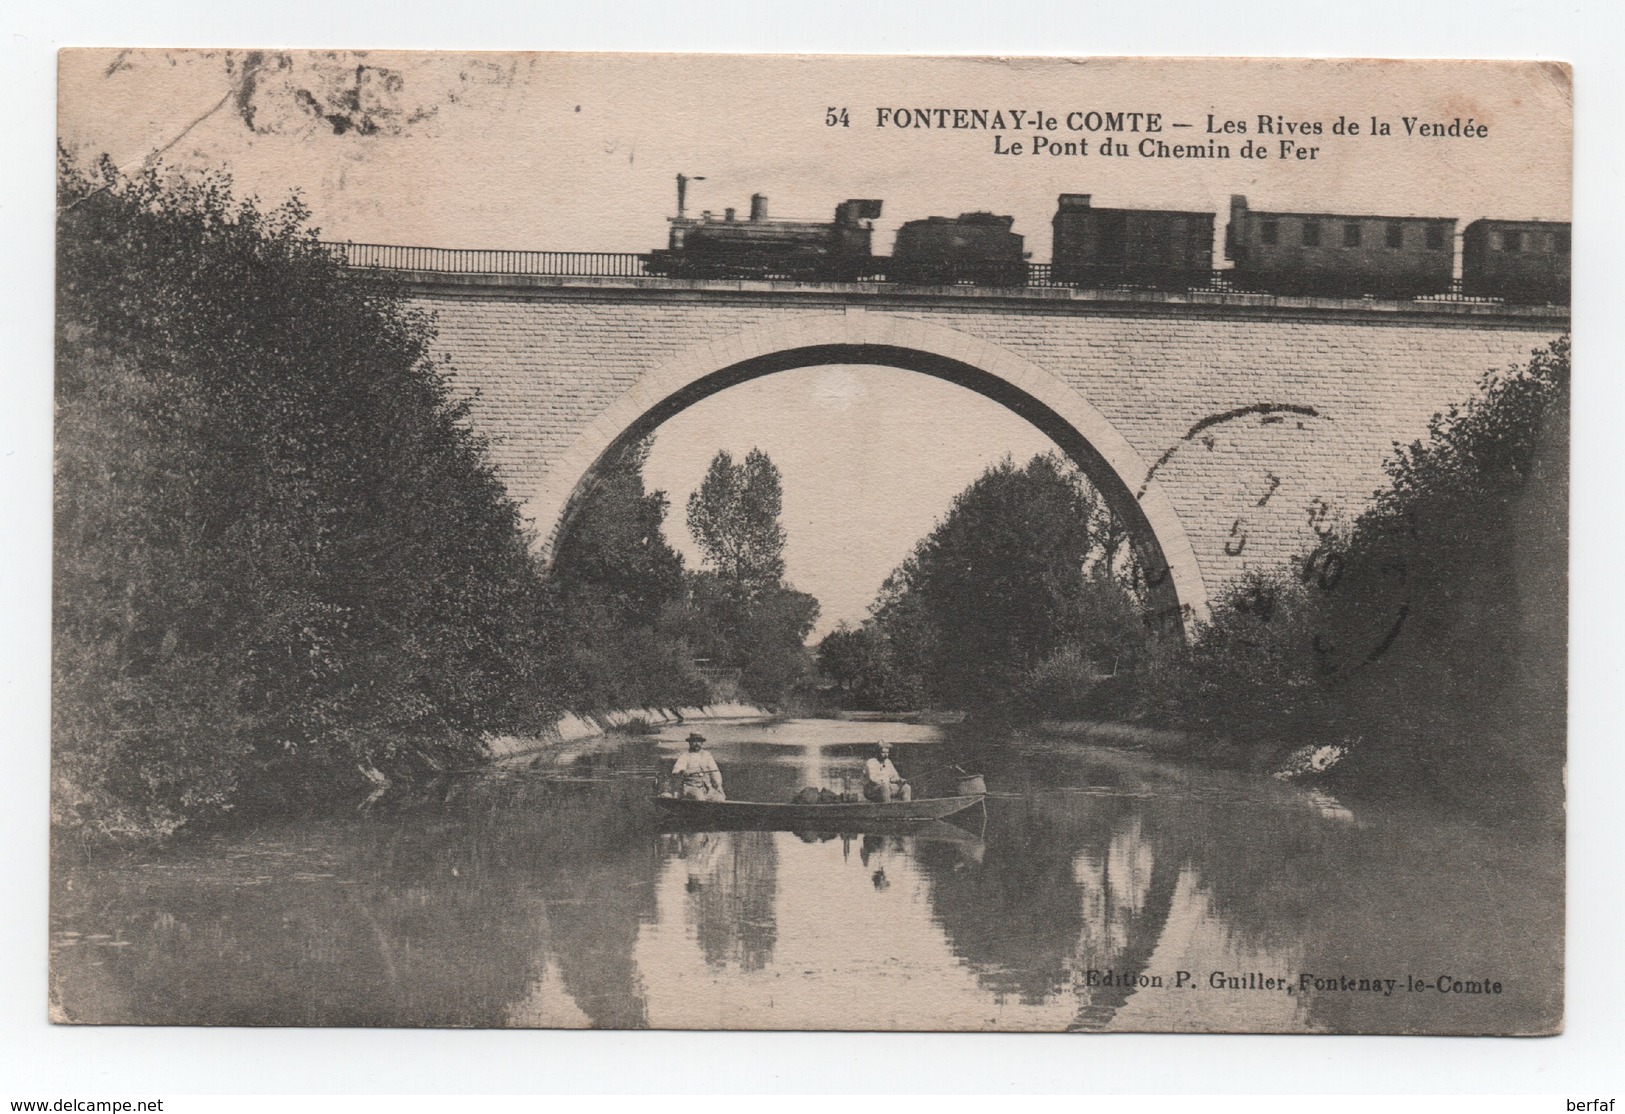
(1294, 253)
(704, 247)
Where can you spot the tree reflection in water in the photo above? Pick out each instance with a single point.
(732, 887)
(1063, 887)
(443, 912)
(596, 869)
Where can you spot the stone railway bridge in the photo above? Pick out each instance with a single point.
(1225, 429)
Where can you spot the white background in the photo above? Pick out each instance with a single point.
(37, 1060)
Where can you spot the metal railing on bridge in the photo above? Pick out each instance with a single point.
(615, 264)
(491, 261)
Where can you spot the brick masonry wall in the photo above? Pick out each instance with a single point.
(544, 361)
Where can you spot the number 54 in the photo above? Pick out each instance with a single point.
(834, 116)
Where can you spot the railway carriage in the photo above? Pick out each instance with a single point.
(1339, 254)
(1162, 248)
(1518, 260)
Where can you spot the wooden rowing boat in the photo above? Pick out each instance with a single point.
(835, 817)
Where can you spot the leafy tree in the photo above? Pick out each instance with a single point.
(1014, 572)
(734, 517)
(902, 626)
(621, 599)
(283, 564)
(631, 622)
(1252, 670)
(771, 645)
(1470, 540)
(863, 664)
(742, 611)
(846, 655)
(1431, 635)
(614, 550)
(763, 635)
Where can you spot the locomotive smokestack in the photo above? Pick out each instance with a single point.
(682, 190)
(758, 206)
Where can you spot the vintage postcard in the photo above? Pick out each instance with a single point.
(859, 543)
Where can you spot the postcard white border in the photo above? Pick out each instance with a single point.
(70, 1060)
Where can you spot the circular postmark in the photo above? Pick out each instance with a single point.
(1277, 533)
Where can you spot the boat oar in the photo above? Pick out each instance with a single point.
(934, 771)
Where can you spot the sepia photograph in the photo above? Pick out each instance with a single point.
(771, 542)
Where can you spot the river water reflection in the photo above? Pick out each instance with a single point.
(546, 892)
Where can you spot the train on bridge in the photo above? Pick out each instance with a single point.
(1328, 254)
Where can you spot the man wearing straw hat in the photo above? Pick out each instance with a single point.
(698, 772)
(885, 783)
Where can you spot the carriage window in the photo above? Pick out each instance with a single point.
(1435, 236)
(1351, 235)
(1562, 237)
(1311, 234)
(1512, 241)
(1396, 234)
(1267, 231)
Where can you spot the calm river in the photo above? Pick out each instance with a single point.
(1106, 891)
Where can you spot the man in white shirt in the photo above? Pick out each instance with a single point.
(885, 783)
(698, 772)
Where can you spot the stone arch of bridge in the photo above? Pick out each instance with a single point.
(1121, 475)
